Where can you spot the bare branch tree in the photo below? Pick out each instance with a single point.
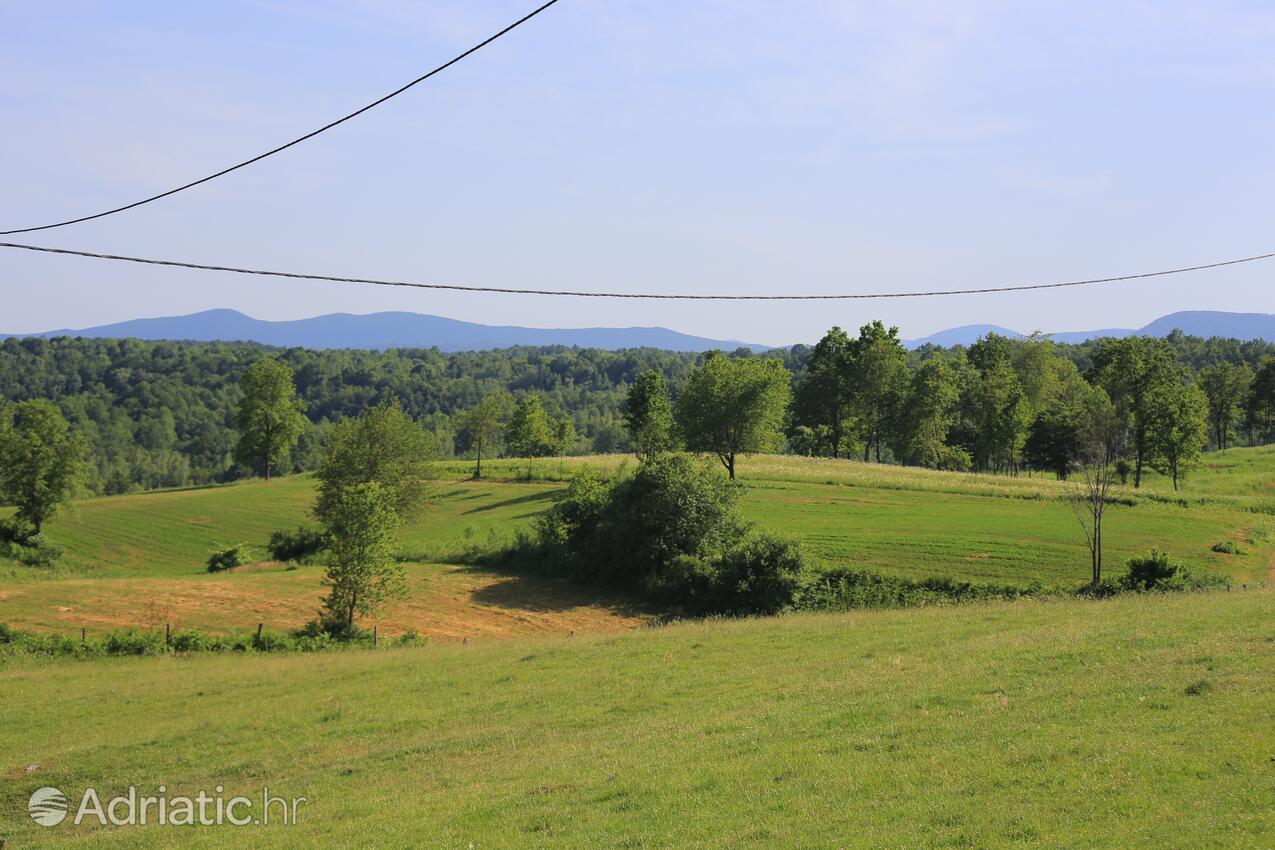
(1094, 485)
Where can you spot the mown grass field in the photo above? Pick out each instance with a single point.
(1139, 722)
(139, 560)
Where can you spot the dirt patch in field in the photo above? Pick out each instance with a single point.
(443, 603)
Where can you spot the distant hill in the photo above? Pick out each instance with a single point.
(1201, 323)
(390, 330)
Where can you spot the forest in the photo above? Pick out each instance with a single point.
(163, 414)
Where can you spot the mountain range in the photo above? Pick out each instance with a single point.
(1201, 323)
(390, 330)
(414, 330)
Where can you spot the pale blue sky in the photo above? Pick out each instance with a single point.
(805, 146)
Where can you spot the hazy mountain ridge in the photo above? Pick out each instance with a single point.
(380, 331)
(1201, 323)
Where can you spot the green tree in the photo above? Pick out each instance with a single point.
(1227, 388)
(1260, 407)
(996, 405)
(271, 417)
(383, 446)
(878, 379)
(1177, 428)
(564, 435)
(1053, 440)
(824, 398)
(1129, 370)
(362, 575)
(929, 410)
(734, 406)
(483, 424)
(648, 416)
(530, 433)
(41, 460)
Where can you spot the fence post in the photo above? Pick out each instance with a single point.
(168, 634)
(84, 635)
(259, 627)
(375, 639)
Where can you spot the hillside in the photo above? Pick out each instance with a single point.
(139, 559)
(1139, 722)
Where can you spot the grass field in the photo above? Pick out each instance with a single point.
(1129, 723)
(139, 560)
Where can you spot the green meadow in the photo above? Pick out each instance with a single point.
(1142, 721)
(543, 713)
(138, 560)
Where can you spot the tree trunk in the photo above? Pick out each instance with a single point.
(730, 465)
(1097, 549)
(478, 470)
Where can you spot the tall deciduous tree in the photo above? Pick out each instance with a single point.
(1227, 387)
(1177, 428)
(824, 398)
(383, 446)
(483, 424)
(878, 378)
(1129, 369)
(648, 415)
(1259, 417)
(735, 406)
(271, 417)
(41, 460)
(928, 412)
(996, 405)
(530, 432)
(362, 576)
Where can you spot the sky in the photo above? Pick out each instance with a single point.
(700, 146)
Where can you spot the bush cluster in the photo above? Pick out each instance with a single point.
(670, 533)
(302, 545)
(229, 558)
(19, 542)
(1155, 572)
(139, 642)
(845, 589)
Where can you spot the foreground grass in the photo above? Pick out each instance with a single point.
(1134, 722)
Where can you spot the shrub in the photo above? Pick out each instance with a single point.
(20, 543)
(845, 589)
(271, 642)
(192, 641)
(6, 635)
(1228, 547)
(133, 642)
(1154, 571)
(299, 545)
(761, 575)
(228, 559)
(410, 638)
(1101, 590)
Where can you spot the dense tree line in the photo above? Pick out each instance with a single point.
(1008, 406)
(171, 413)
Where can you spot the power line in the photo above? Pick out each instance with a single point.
(296, 141)
(636, 295)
